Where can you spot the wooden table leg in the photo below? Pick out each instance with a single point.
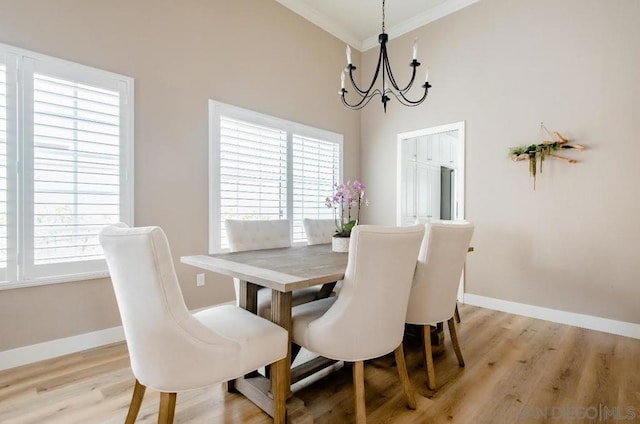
(256, 387)
(248, 296)
(325, 290)
(248, 299)
(437, 336)
(281, 370)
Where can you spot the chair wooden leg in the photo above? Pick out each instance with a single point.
(454, 340)
(358, 388)
(136, 401)
(404, 377)
(167, 408)
(428, 357)
(457, 314)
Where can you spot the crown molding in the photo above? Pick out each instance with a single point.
(417, 21)
(315, 17)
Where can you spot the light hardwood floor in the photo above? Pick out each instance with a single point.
(515, 368)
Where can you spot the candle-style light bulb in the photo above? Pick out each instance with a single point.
(348, 55)
(426, 78)
(342, 79)
(415, 49)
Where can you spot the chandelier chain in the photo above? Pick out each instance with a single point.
(383, 15)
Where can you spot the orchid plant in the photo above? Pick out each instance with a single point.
(346, 202)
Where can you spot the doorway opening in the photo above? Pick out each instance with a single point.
(430, 181)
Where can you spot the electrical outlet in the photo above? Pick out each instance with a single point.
(199, 280)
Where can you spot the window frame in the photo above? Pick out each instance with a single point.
(22, 65)
(216, 111)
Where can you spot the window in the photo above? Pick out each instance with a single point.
(3, 172)
(66, 151)
(268, 168)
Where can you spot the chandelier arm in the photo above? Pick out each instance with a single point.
(395, 85)
(365, 93)
(402, 99)
(362, 103)
(413, 79)
(387, 67)
(353, 83)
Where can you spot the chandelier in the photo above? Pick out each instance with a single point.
(389, 84)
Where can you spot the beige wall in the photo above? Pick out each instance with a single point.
(504, 66)
(251, 53)
(501, 65)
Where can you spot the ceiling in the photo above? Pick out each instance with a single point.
(358, 22)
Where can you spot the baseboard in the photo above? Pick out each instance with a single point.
(605, 325)
(54, 348)
(46, 350)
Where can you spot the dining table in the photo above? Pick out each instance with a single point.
(281, 270)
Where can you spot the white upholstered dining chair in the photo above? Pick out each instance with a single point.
(319, 231)
(366, 319)
(424, 221)
(244, 235)
(435, 285)
(170, 349)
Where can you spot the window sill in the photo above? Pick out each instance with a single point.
(54, 280)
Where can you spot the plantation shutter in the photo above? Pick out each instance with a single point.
(253, 172)
(316, 169)
(66, 166)
(4, 245)
(73, 171)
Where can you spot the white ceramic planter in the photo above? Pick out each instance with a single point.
(340, 244)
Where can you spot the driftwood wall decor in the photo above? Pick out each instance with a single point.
(536, 153)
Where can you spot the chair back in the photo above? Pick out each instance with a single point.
(440, 264)
(367, 319)
(319, 231)
(165, 341)
(257, 234)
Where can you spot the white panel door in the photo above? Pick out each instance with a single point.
(448, 149)
(409, 193)
(428, 192)
(428, 149)
(409, 150)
